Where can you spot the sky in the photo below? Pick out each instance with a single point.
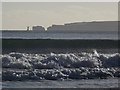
(19, 15)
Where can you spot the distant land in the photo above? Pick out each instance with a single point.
(79, 26)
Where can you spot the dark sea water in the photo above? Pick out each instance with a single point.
(60, 69)
(95, 83)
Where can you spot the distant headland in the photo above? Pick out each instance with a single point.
(75, 27)
(80, 26)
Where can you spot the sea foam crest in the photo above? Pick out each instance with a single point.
(49, 61)
(22, 66)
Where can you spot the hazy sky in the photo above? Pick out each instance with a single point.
(18, 15)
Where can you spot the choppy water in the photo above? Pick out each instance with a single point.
(68, 70)
(36, 67)
(96, 83)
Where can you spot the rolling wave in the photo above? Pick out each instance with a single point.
(23, 66)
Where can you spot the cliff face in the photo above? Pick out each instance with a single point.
(81, 26)
(38, 28)
(85, 26)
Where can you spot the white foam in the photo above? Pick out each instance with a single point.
(57, 66)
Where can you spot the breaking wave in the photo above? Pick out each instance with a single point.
(23, 66)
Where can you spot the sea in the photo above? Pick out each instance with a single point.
(60, 70)
(60, 35)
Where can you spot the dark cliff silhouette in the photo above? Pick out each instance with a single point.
(81, 26)
(86, 26)
(38, 28)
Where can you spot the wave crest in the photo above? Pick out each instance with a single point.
(22, 66)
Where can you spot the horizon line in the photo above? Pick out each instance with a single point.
(62, 24)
